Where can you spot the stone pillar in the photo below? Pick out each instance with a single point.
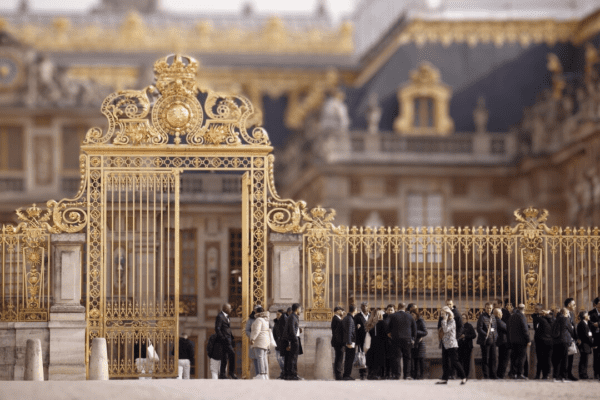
(67, 315)
(23, 332)
(99, 360)
(323, 360)
(34, 369)
(286, 288)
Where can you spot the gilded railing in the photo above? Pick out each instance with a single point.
(528, 263)
(25, 275)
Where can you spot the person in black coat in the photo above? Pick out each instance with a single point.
(337, 342)
(465, 345)
(586, 342)
(562, 336)
(419, 349)
(543, 341)
(502, 344)
(389, 310)
(376, 355)
(291, 334)
(278, 327)
(403, 331)
(282, 342)
(486, 339)
(595, 328)
(360, 320)
(570, 305)
(349, 337)
(225, 338)
(518, 337)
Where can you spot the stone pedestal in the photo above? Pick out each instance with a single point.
(67, 315)
(286, 270)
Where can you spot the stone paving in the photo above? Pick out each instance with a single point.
(306, 390)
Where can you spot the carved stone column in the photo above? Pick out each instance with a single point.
(67, 315)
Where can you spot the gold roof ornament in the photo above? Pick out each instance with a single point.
(135, 34)
(180, 110)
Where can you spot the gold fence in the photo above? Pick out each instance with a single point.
(25, 275)
(529, 263)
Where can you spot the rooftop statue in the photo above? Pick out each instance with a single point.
(334, 115)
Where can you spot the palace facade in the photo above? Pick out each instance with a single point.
(402, 115)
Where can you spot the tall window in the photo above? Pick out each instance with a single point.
(72, 136)
(235, 269)
(187, 273)
(424, 112)
(11, 148)
(424, 210)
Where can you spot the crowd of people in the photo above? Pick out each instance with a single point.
(503, 334)
(284, 337)
(388, 343)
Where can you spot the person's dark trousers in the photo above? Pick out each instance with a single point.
(583, 365)
(464, 356)
(286, 360)
(488, 361)
(444, 362)
(363, 371)
(517, 359)
(348, 360)
(417, 368)
(291, 358)
(543, 353)
(227, 359)
(503, 357)
(538, 364)
(597, 363)
(560, 360)
(570, 365)
(452, 364)
(338, 363)
(402, 350)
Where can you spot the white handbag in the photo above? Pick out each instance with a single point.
(151, 354)
(367, 344)
(572, 349)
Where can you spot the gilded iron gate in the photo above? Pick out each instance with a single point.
(131, 184)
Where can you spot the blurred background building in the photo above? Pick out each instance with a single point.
(406, 113)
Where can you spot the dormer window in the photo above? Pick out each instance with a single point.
(424, 104)
(424, 117)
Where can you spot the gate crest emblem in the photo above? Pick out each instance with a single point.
(175, 111)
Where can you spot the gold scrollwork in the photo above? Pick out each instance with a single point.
(181, 110)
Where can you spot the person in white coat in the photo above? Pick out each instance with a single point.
(260, 341)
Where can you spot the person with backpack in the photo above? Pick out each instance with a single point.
(214, 352)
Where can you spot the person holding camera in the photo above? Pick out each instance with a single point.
(450, 347)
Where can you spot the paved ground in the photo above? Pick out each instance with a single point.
(306, 390)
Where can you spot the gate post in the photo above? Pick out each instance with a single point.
(67, 315)
(286, 269)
